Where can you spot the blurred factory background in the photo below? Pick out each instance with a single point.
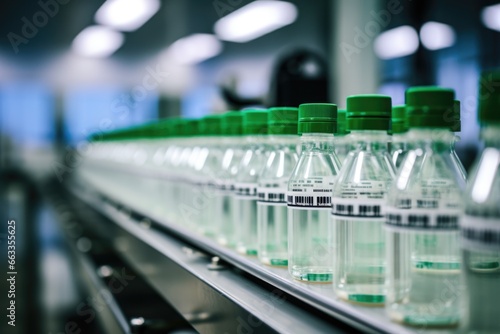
(69, 68)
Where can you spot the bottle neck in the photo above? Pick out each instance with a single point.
(369, 139)
(317, 142)
(432, 139)
(283, 140)
(490, 134)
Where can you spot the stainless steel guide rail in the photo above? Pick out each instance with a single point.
(318, 296)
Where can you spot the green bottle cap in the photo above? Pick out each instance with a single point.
(342, 122)
(489, 98)
(317, 118)
(255, 121)
(232, 123)
(429, 107)
(456, 123)
(176, 126)
(163, 128)
(190, 127)
(283, 121)
(210, 125)
(368, 112)
(398, 119)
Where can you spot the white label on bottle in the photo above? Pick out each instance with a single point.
(347, 207)
(480, 232)
(271, 195)
(245, 190)
(424, 219)
(311, 193)
(224, 187)
(363, 190)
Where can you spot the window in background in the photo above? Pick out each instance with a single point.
(27, 113)
(100, 109)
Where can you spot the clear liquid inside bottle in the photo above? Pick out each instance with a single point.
(310, 233)
(226, 176)
(271, 207)
(425, 206)
(481, 240)
(244, 199)
(358, 202)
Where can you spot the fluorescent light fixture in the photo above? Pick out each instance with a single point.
(195, 48)
(398, 42)
(435, 35)
(126, 15)
(491, 17)
(97, 41)
(254, 20)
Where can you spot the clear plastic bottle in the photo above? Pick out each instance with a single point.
(358, 202)
(205, 169)
(170, 166)
(398, 146)
(424, 208)
(183, 166)
(245, 185)
(309, 193)
(232, 130)
(481, 224)
(272, 186)
(342, 142)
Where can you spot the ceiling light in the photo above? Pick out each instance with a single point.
(254, 20)
(435, 35)
(97, 41)
(398, 42)
(195, 48)
(491, 17)
(126, 15)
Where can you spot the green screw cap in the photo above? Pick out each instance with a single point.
(456, 123)
(398, 120)
(342, 122)
(430, 107)
(369, 112)
(317, 118)
(489, 98)
(210, 125)
(255, 122)
(283, 121)
(190, 127)
(232, 123)
(176, 125)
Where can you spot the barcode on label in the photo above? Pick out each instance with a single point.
(225, 187)
(357, 210)
(309, 201)
(404, 203)
(271, 197)
(481, 232)
(423, 220)
(245, 190)
(341, 209)
(487, 237)
(427, 204)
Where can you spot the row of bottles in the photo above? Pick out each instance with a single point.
(369, 198)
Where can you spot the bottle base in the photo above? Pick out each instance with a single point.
(409, 315)
(366, 299)
(274, 261)
(312, 274)
(246, 251)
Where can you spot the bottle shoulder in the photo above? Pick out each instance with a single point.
(279, 165)
(430, 175)
(316, 165)
(364, 167)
